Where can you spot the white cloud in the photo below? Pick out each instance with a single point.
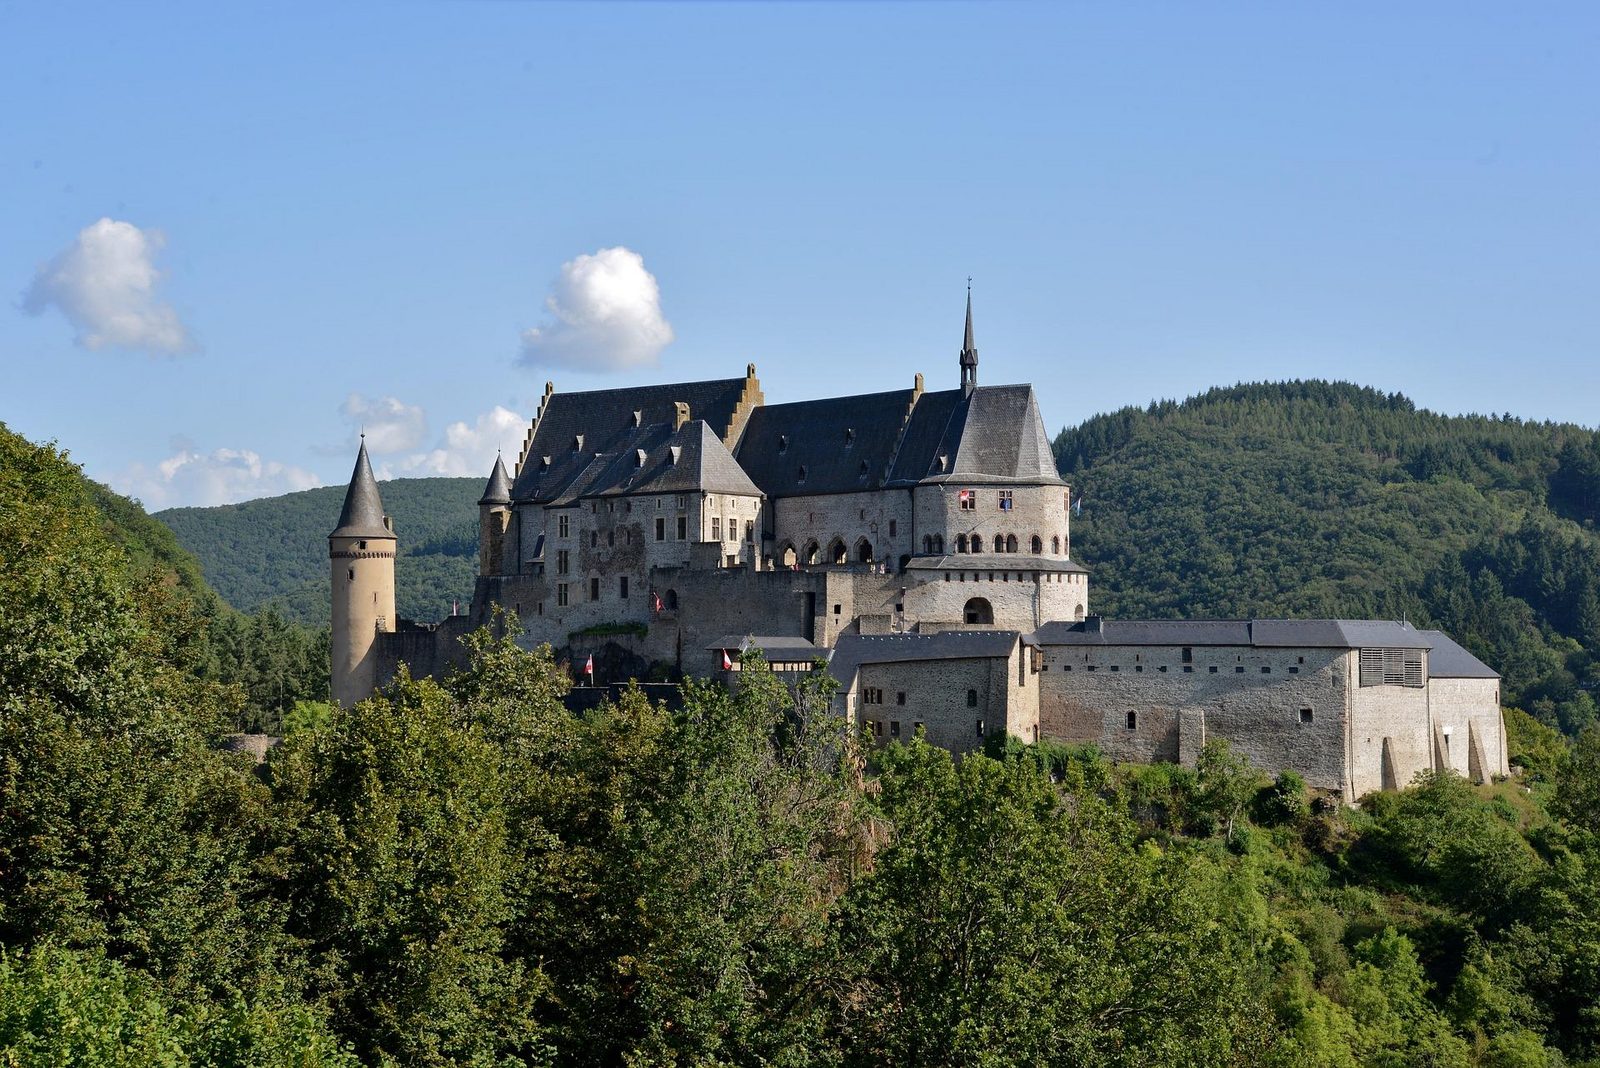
(390, 424)
(605, 316)
(222, 476)
(105, 283)
(466, 449)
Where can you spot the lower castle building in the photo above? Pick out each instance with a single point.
(919, 542)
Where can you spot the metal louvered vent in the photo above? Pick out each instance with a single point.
(1392, 667)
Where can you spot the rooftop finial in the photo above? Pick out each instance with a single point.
(969, 349)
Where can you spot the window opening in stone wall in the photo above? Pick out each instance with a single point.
(893, 528)
(678, 500)
(938, 543)
(800, 474)
(961, 543)
(916, 727)
(594, 539)
(683, 528)
(894, 728)
(877, 728)
(1293, 670)
(864, 551)
(1238, 669)
(836, 551)
(972, 698)
(1055, 544)
(1005, 500)
(561, 593)
(622, 587)
(977, 543)
(1212, 669)
(1306, 715)
(1011, 543)
(1188, 654)
(1037, 545)
(352, 574)
(980, 728)
(561, 526)
(594, 589)
(968, 500)
(836, 609)
(900, 697)
(786, 556)
(811, 552)
(661, 529)
(978, 611)
(563, 559)
(672, 600)
(1133, 720)
(716, 528)
(1265, 670)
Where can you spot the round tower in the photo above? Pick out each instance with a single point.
(494, 517)
(361, 557)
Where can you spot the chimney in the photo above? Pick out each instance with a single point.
(680, 414)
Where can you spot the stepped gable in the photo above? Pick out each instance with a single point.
(362, 515)
(997, 432)
(1447, 660)
(576, 427)
(691, 458)
(831, 438)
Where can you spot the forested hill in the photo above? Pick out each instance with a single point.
(275, 551)
(1329, 499)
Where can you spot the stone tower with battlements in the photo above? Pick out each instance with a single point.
(361, 553)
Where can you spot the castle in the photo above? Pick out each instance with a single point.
(919, 543)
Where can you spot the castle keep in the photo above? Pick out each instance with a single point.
(919, 541)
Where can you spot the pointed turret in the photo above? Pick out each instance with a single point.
(362, 516)
(969, 350)
(361, 557)
(498, 491)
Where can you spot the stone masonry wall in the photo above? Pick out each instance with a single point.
(1255, 698)
(881, 518)
(1398, 714)
(935, 695)
(1469, 709)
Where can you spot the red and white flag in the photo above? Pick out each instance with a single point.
(588, 666)
(655, 602)
(727, 664)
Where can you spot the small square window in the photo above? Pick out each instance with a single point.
(1294, 670)
(900, 697)
(1239, 670)
(1265, 670)
(1212, 669)
(894, 728)
(1306, 715)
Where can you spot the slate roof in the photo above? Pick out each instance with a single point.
(775, 647)
(691, 458)
(1447, 660)
(919, 450)
(362, 515)
(993, 562)
(604, 419)
(498, 490)
(997, 432)
(843, 443)
(1259, 633)
(853, 650)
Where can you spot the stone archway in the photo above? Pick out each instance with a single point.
(978, 612)
(812, 553)
(864, 551)
(837, 553)
(786, 556)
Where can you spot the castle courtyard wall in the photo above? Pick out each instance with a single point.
(934, 695)
(1469, 726)
(1391, 735)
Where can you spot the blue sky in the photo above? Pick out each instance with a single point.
(328, 215)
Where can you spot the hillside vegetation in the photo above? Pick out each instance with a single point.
(275, 551)
(1328, 499)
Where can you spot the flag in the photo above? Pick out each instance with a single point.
(966, 495)
(655, 602)
(727, 664)
(588, 667)
(1077, 506)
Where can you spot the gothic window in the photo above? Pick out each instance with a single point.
(811, 553)
(938, 543)
(837, 552)
(786, 555)
(1055, 544)
(672, 600)
(864, 551)
(1011, 543)
(977, 543)
(961, 543)
(1037, 545)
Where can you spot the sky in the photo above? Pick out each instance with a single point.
(232, 236)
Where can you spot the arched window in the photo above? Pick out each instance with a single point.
(1055, 544)
(976, 543)
(1038, 545)
(961, 543)
(672, 600)
(811, 553)
(905, 559)
(938, 543)
(786, 555)
(1011, 543)
(864, 551)
(1078, 614)
(837, 552)
(978, 611)
(927, 543)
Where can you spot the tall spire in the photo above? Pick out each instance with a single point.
(362, 516)
(969, 350)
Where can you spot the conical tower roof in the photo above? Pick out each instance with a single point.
(362, 516)
(498, 491)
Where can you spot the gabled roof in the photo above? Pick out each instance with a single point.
(574, 427)
(774, 647)
(362, 515)
(854, 650)
(843, 444)
(690, 459)
(1259, 633)
(919, 449)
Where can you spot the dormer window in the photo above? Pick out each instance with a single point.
(638, 417)
(863, 469)
(800, 476)
(577, 444)
(544, 463)
(676, 451)
(849, 437)
(783, 443)
(944, 463)
(638, 455)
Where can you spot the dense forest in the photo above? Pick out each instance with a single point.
(462, 872)
(274, 552)
(1328, 499)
